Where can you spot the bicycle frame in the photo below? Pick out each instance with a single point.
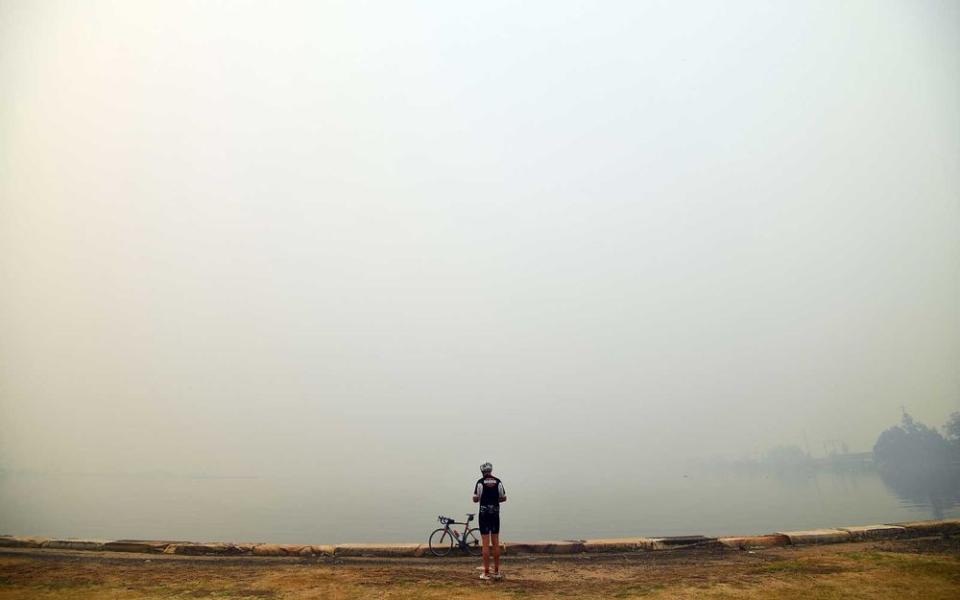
(468, 540)
(460, 536)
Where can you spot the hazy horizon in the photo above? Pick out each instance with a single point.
(373, 243)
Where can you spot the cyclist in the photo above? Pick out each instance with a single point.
(489, 493)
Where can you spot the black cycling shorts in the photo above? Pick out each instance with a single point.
(489, 523)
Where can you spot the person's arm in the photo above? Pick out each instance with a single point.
(476, 493)
(502, 492)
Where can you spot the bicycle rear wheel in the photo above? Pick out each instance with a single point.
(474, 542)
(441, 542)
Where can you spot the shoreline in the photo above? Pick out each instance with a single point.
(860, 533)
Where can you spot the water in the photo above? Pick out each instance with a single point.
(671, 502)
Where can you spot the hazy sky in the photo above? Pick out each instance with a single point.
(243, 237)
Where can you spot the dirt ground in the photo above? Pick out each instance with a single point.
(927, 569)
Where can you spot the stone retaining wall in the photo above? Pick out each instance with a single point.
(636, 544)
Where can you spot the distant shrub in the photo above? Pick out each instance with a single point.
(953, 429)
(911, 445)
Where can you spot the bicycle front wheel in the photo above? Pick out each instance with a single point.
(441, 542)
(473, 542)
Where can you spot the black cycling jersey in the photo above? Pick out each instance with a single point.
(490, 489)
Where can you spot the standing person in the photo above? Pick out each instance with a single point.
(489, 493)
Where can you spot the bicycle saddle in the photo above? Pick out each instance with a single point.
(470, 516)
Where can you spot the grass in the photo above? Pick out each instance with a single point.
(801, 567)
(639, 591)
(942, 567)
(816, 573)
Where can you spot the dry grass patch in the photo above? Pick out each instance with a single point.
(816, 573)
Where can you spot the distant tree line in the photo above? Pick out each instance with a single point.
(909, 446)
(913, 445)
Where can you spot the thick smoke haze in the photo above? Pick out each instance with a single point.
(349, 240)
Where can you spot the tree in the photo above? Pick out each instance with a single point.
(911, 445)
(953, 428)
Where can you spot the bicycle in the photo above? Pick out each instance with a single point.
(442, 539)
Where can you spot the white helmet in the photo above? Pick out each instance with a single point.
(486, 467)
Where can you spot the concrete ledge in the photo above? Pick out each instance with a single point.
(755, 541)
(634, 544)
(678, 541)
(12, 541)
(817, 536)
(944, 527)
(268, 550)
(150, 546)
(215, 548)
(617, 545)
(297, 549)
(283, 550)
(384, 550)
(565, 547)
(873, 532)
(73, 544)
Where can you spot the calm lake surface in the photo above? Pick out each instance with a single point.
(299, 510)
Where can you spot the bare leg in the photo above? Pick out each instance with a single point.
(495, 539)
(486, 553)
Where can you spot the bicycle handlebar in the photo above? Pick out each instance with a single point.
(449, 521)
